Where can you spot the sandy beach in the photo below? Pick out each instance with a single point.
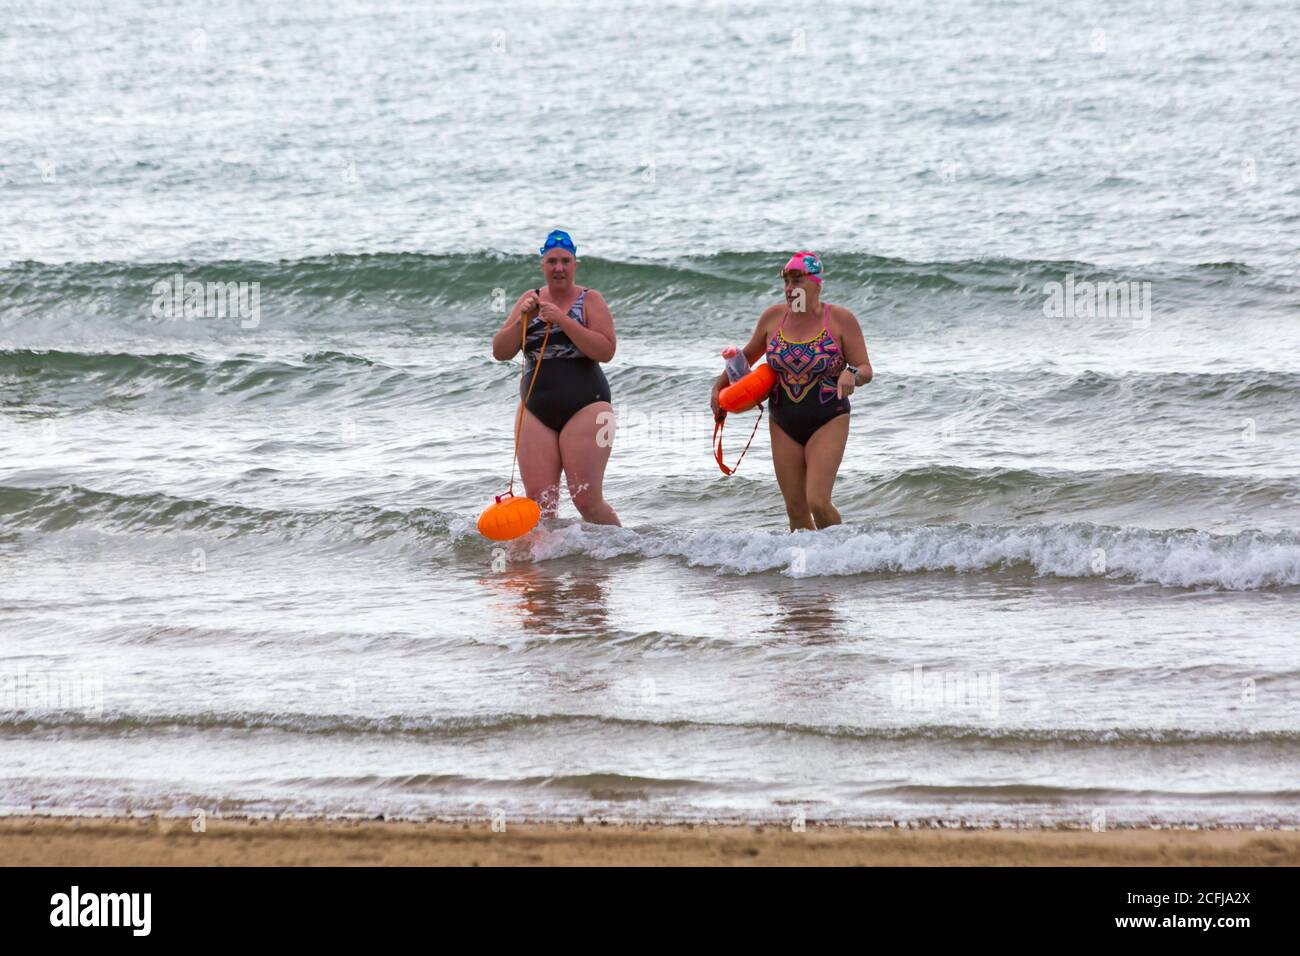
(46, 841)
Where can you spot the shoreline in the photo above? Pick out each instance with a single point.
(171, 841)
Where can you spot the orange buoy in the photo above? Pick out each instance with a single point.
(508, 519)
(740, 396)
(747, 392)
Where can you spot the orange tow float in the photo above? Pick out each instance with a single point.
(740, 396)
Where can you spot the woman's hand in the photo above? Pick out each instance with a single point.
(845, 386)
(528, 305)
(715, 401)
(551, 313)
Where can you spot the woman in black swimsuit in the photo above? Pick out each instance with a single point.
(568, 421)
(820, 357)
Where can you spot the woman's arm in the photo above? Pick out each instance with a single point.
(754, 349)
(509, 338)
(854, 348)
(596, 339)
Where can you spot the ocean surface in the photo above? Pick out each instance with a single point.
(239, 570)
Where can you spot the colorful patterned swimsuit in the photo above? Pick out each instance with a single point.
(806, 372)
(568, 380)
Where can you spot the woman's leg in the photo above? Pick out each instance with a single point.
(539, 463)
(585, 443)
(825, 451)
(787, 458)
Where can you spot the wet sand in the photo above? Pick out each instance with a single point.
(66, 841)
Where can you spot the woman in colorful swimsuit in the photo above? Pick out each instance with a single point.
(568, 419)
(820, 357)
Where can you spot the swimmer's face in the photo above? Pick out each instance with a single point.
(559, 266)
(797, 281)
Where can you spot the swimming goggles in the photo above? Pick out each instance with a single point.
(558, 239)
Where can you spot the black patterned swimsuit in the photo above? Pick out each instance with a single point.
(568, 380)
(804, 398)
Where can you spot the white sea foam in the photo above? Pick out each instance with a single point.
(1240, 562)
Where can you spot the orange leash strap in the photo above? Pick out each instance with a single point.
(519, 418)
(717, 442)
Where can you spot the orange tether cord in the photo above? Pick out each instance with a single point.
(717, 441)
(519, 418)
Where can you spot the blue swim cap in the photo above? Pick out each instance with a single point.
(559, 238)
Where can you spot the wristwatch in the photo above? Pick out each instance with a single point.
(851, 368)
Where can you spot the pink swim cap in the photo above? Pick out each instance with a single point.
(805, 262)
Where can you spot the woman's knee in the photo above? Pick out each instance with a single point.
(548, 499)
(585, 498)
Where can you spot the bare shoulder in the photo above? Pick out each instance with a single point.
(771, 316)
(597, 306)
(842, 316)
(842, 322)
